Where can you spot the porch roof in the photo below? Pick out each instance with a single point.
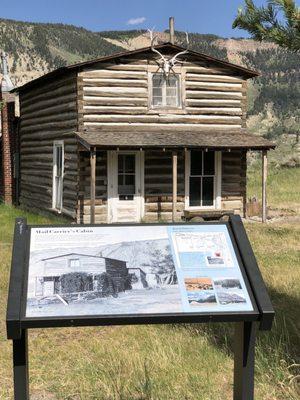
(169, 139)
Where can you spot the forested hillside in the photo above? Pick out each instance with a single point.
(274, 98)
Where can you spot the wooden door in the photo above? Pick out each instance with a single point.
(125, 186)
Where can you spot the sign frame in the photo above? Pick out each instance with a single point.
(245, 321)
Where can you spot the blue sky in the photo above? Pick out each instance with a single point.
(212, 16)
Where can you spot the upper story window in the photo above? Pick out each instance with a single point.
(165, 91)
(74, 263)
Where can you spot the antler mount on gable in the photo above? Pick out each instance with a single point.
(167, 64)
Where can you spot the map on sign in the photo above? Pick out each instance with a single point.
(122, 270)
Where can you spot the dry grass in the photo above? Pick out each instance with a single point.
(165, 362)
(283, 187)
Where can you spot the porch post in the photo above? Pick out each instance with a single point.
(174, 196)
(93, 183)
(264, 184)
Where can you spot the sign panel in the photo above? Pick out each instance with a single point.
(133, 270)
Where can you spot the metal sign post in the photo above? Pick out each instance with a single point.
(211, 276)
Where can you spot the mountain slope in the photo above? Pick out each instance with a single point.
(35, 49)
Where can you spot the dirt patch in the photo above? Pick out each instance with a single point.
(42, 395)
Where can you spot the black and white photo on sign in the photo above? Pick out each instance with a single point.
(229, 291)
(111, 274)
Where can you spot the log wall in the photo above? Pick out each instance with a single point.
(115, 98)
(233, 192)
(158, 186)
(48, 113)
(83, 210)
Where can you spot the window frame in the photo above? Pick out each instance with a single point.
(125, 173)
(164, 91)
(181, 109)
(72, 260)
(217, 182)
(57, 144)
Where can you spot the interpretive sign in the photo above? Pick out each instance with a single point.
(133, 274)
(134, 270)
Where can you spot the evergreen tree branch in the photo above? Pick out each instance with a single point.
(278, 22)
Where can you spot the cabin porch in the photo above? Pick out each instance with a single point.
(156, 183)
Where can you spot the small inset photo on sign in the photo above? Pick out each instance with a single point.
(192, 284)
(229, 291)
(215, 259)
(200, 291)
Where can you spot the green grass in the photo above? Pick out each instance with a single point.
(283, 186)
(168, 362)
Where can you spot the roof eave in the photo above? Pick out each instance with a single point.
(248, 73)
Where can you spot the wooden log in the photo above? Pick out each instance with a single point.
(48, 87)
(56, 133)
(47, 111)
(115, 92)
(98, 82)
(194, 69)
(163, 198)
(33, 199)
(99, 209)
(112, 74)
(174, 176)
(93, 183)
(114, 110)
(163, 207)
(264, 185)
(214, 111)
(213, 103)
(62, 116)
(50, 125)
(99, 219)
(125, 66)
(44, 105)
(160, 216)
(155, 127)
(33, 143)
(29, 178)
(212, 78)
(45, 95)
(232, 204)
(172, 119)
(206, 94)
(219, 86)
(114, 101)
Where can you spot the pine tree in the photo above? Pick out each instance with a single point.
(278, 22)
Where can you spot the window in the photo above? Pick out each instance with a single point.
(126, 176)
(74, 263)
(165, 91)
(58, 173)
(202, 178)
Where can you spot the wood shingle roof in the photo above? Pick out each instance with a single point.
(169, 139)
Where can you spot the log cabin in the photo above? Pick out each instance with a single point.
(121, 139)
(77, 273)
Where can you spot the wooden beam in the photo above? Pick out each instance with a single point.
(93, 183)
(174, 197)
(264, 185)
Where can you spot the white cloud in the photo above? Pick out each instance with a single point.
(136, 21)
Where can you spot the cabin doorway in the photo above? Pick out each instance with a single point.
(125, 186)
